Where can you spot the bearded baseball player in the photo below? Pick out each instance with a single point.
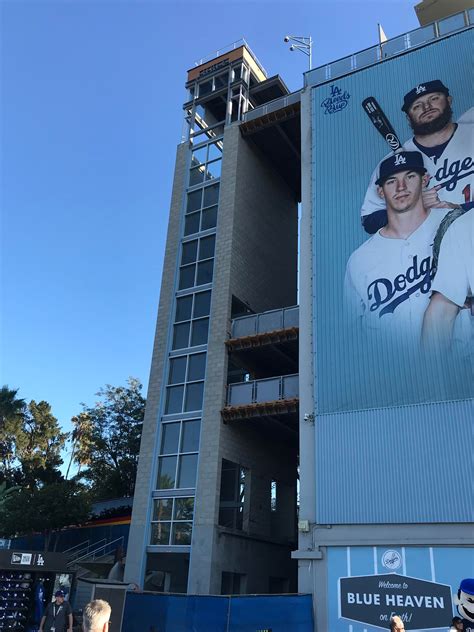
(454, 282)
(388, 278)
(446, 148)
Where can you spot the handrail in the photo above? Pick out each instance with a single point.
(85, 550)
(264, 322)
(93, 554)
(279, 388)
(409, 40)
(85, 543)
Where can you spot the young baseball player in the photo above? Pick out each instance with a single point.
(446, 148)
(388, 278)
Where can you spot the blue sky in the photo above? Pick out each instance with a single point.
(91, 96)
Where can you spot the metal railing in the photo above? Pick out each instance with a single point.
(227, 49)
(390, 48)
(265, 322)
(259, 391)
(272, 106)
(95, 552)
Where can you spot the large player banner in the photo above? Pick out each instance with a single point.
(379, 339)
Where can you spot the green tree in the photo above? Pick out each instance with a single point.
(11, 417)
(44, 510)
(107, 439)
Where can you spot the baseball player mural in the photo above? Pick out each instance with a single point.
(465, 603)
(388, 278)
(446, 148)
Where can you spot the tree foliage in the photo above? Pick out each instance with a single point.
(30, 441)
(107, 440)
(44, 509)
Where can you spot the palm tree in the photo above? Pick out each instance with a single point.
(11, 415)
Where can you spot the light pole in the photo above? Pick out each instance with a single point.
(303, 44)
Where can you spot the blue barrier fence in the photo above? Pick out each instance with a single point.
(192, 613)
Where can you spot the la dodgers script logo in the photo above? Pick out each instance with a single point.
(420, 89)
(387, 293)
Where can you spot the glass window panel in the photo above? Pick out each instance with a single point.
(194, 201)
(169, 440)
(215, 150)
(213, 170)
(183, 308)
(189, 254)
(162, 509)
(166, 472)
(196, 367)
(221, 81)
(227, 517)
(209, 218)
(187, 470)
(177, 370)
(183, 508)
(196, 176)
(182, 533)
(206, 247)
(199, 156)
(160, 533)
(174, 399)
(193, 399)
(181, 336)
(190, 436)
(191, 223)
(205, 88)
(211, 195)
(186, 276)
(199, 332)
(204, 274)
(202, 304)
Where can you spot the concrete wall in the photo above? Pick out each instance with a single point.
(135, 565)
(256, 259)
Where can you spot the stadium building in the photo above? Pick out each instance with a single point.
(283, 450)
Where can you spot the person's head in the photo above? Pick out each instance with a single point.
(457, 623)
(96, 616)
(59, 597)
(396, 624)
(428, 107)
(401, 180)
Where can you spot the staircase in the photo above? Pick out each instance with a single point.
(94, 559)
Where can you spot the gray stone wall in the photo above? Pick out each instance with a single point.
(135, 564)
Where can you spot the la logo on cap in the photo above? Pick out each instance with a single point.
(420, 89)
(399, 160)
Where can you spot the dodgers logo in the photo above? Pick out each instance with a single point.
(399, 160)
(336, 101)
(419, 89)
(388, 295)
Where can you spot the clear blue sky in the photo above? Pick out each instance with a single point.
(91, 96)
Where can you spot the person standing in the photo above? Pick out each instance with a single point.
(57, 616)
(396, 624)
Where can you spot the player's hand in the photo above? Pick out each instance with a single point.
(431, 198)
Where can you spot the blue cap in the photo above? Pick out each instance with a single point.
(423, 88)
(467, 586)
(401, 161)
(59, 593)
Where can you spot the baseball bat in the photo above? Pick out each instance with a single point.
(381, 123)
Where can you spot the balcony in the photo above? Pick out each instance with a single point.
(266, 344)
(273, 320)
(274, 401)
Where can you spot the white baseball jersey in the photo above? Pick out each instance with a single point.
(388, 281)
(455, 275)
(455, 168)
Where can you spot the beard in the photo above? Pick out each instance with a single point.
(436, 125)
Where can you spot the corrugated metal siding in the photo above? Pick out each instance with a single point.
(410, 464)
(354, 374)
